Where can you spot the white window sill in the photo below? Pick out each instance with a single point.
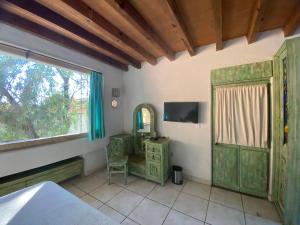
(18, 145)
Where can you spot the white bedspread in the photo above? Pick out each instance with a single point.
(48, 204)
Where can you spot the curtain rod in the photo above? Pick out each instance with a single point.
(29, 54)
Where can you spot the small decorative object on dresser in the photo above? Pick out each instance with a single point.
(148, 155)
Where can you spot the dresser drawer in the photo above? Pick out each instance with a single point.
(153, 157)
(153, 148)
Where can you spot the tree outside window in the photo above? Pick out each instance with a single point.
(40, 100)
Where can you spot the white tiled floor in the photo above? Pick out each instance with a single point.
(141, 202)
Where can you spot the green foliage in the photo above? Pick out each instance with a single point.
(36, 99)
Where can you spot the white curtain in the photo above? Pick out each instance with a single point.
(241, 115)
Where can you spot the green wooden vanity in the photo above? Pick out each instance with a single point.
(148, 155)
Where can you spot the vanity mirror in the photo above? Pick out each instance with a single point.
(148, 155)
(143, 127)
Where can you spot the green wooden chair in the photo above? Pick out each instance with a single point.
(117, 160)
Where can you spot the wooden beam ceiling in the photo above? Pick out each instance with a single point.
(48, 34)
(132, 16)
(179, 26)
(257, 19)
(37, 13)
(217, 11)
(88, 19)
(127, 32)
(293, 22)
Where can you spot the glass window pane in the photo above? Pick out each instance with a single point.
(40, 100)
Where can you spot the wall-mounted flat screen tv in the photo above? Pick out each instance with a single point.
(186, 112)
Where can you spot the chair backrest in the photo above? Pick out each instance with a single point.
(114, 150)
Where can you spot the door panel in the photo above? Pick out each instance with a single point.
(153, 171)
(225, 170)
(283, 137)
(254, 171)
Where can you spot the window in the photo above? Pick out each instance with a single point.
(40, 100)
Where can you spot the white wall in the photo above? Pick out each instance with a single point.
(188, 79)
(93, 152)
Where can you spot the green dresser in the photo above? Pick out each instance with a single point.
(153, 164)
(157, 160)
(148, 155)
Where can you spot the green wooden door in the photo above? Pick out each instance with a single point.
(254, 164)
(225, 166)
(283, 149)
(280, 139)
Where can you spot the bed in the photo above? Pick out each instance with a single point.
(48, 204)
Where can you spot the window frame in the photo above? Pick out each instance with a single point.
(28, 54)
(19, 145)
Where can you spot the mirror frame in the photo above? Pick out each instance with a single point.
(138, 135)
(152, 120)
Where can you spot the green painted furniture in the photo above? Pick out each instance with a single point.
(286, 182)
(56, 172)
(139, 147)
(117, 156)
(254, 171)
(225, 166)
(240, 168)
(157, 160)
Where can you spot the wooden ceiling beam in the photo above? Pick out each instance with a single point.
(88, 19)
(133, 17)
(293, 22)
(37, 13)
(217, 11)
(38, 30)
(256, 21)
(179, 26)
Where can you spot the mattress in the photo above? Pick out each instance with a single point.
(48, 204)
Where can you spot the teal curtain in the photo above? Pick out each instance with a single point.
(139, 120)
(96, 110)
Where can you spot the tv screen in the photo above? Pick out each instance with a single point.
(181, 112)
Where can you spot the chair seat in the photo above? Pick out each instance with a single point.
(118, 161)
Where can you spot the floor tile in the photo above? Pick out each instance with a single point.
(106, 192)
(226, 198)
(255, 220)
(141, 187)
(191, 205)
(125, 202)
(92, 201)
(149, 213)
(129, 222)
(177, 218)
(113, 214)
(90, 183)
(176, 187)
(101, 174)
(164, 195)
(200, 190)
(76, 191)
(260, 207)
(119, 180)
(221, 215)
